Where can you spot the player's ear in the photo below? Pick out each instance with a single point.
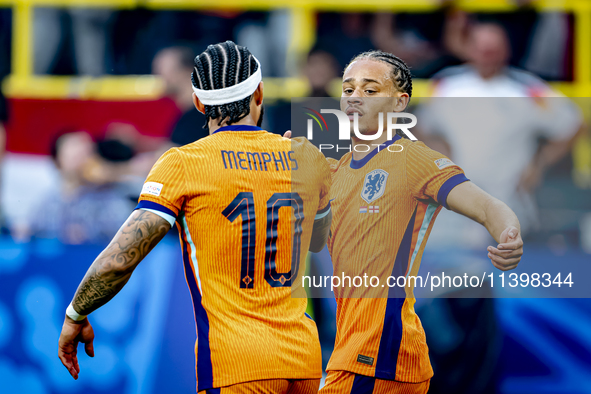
(258, 94)
(401, 101)
(198, 104)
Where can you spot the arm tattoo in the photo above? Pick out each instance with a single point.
(113, 267)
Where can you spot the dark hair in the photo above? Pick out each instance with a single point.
(400, 71)
(114, 150)
(221, 66)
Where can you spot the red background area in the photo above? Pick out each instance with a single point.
(34, 123)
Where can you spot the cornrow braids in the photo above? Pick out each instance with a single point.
(400, 71)
(221, 66)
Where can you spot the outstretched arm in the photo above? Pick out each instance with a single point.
(500, 221)
(106, 277)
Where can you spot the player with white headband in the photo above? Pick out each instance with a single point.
(232, 198)
(225, 95)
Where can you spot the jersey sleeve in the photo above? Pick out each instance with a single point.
(333, 164)
(163, 192)
(431, 175)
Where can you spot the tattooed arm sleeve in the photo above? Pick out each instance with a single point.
(113, 267)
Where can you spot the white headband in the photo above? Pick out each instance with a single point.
(232, 93)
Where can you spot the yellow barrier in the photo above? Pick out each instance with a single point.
(22, 82)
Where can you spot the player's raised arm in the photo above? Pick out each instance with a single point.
(105, 278)
(500, 221)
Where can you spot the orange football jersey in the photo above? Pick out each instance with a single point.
(384, 207)
(238, 211)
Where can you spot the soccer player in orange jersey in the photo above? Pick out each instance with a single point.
(384, 203)
(232, 197)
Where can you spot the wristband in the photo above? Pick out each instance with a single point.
(72, 314)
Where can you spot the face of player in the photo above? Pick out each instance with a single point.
(368, 89)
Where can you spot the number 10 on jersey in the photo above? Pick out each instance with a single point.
(243, 206)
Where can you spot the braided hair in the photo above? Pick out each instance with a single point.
(400, 71)
(221, 66)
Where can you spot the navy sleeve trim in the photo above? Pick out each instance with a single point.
(447, 186)
(326, 208)
(144, 204)
(323, 212)
(237, 128)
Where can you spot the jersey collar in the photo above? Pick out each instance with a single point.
(357, 164)
(237, 128)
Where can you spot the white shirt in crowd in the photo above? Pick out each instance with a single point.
(492, 127)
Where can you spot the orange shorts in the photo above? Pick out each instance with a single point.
(271, 386)
(343, 382)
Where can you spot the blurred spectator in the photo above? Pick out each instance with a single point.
(138, 34)
(540, 42)
(5, 47)
(496, 140)
(416, 38)
(147, 150)
(88, 206)
(3, 120)
(488, 118)
(344, 35)
(548, 54)
(5, 41)
(269, 40)
(174, 65)
(86, 29)
(485, 47)
(428, 42)
(129, 135)
(321, 69)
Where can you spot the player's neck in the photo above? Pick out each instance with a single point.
(247, 121)
(360, 147)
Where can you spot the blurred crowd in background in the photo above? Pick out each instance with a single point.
(96, 42)
(88, 184)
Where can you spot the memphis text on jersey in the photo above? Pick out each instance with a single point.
(259, 161)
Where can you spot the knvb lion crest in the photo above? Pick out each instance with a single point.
(374, 185)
